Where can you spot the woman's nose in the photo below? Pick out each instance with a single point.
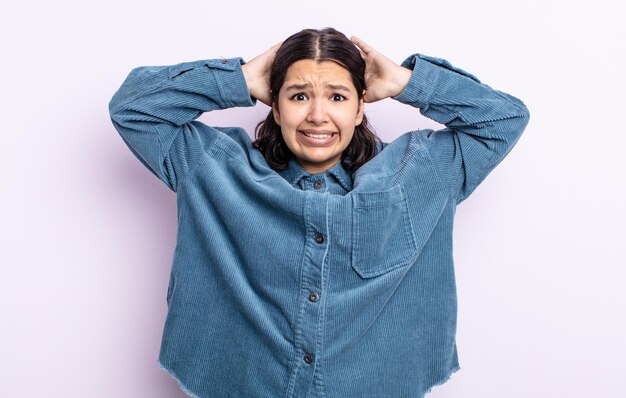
(317, 112)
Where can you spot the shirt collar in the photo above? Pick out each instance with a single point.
(342, 175)
(294, 173)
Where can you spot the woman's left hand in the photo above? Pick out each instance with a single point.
(383, 77)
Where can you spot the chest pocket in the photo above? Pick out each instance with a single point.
(382, 232)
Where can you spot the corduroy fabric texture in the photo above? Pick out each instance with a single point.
(281, 286)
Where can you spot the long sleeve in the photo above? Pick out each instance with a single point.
(482, 124)
(155, 110)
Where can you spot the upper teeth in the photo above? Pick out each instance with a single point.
(318, 135)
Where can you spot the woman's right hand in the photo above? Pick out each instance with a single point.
(257, 74)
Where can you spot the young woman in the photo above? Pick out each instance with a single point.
(315, 261)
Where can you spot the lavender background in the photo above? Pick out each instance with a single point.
(87, 233)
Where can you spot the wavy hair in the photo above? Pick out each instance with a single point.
(319, 45)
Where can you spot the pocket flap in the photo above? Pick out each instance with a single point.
(383, 236)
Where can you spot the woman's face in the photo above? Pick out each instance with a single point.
(317, 111)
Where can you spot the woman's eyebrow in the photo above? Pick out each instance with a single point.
(338, 87)
(297, 86)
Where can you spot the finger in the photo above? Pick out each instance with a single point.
(363, 46)
(363, 55)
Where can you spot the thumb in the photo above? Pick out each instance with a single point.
(362, 46)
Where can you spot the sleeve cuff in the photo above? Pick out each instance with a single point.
(426, 73)
(231, 82)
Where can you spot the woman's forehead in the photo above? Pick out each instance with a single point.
(311, 73)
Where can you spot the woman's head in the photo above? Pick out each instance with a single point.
(317, 84)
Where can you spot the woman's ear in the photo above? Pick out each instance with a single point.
(360, 111)
(275, 112)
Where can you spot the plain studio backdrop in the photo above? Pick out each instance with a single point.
(88, 232)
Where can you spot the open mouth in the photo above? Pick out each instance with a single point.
(319, 136)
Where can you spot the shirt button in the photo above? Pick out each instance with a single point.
(318, 184)
(308, 358)
(225, 61)
(319, 238)
(313, 297)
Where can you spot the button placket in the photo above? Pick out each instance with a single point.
(308, 327)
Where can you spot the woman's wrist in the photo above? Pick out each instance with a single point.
(400, 80)
(258, 85)
(247, 77)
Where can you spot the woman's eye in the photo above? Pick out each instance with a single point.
(299, 97)
(338, 97)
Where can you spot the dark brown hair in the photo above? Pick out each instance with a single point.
(320, 45)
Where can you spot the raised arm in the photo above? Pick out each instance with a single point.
(155, 108)
(483, 124)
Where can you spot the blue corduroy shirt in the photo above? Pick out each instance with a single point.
(291, 284)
